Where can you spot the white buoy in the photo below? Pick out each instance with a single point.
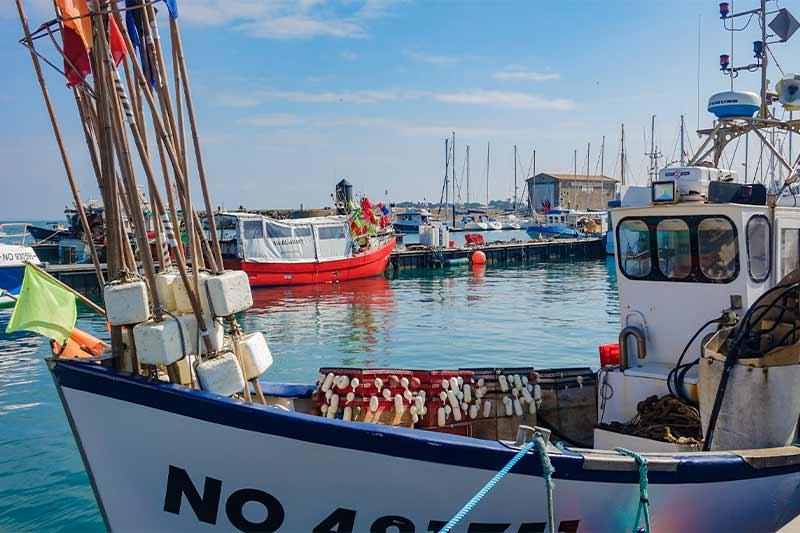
(378, 383)
(457, 414)
(419, 402)
(414, 414)
(529, 387)
(351, 396)
(467, 393)
(454, 383)
(445, 384)
(387, 393)
(524, 380)
(422, 394)
(473, 412)
(503, 383)
(487, 409)
(537, 393)
(126, 303)
(404, 382)
(324, 408)
(579, 379)
(517, 408)
(481, 383)
(451, 397)
(408, 396)
(515, 393)
(355, 382)
(398, 404)
(460, 396)
(460, 381)
(221, 375)
(441, 417)
(443, 396)
(229, 293)
(448, 410)
(348, 413)
(344, 382)
(527, 395)
(373, 403)
(508, 405)
(517, 382)
(464, 406)
(334, 408)
(532, 408)
(328, 395)
(254, 355)
(327, 383)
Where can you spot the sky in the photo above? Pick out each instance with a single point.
(293, 95)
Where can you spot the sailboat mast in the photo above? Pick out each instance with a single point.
(764, 55)
(574, 176)
(622, 157)
(488, 146)
(533, 203)
(602, 168)
(683, 153)
(515, 178)
(446, 174)
(454, 179)
(467, 204)
(588, 197)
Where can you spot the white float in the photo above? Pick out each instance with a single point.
(165, 288)
(158, 343)
(229, 292)
(126, 303)
(254, 355)
(182, 302)
(221, 375)
(191, 332)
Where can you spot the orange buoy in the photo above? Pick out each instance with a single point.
(478, 258)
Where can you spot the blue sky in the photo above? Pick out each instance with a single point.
(294, 94)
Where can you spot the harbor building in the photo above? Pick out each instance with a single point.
(570, 191)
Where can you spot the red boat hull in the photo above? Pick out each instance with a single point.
(369, 264)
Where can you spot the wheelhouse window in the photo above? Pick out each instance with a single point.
(253, 229)
(718, 249)
(674, 248)
(759, 245)
(331, 232)
(634, 248)
(688, 249)
(278, 231)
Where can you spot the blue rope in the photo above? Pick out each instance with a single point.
(644, 499)
(547, 470)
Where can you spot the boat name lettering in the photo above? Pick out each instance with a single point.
(205, 506)
(288, 241)
(17, 257)
(726, 101)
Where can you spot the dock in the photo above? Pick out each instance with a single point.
(500, 252)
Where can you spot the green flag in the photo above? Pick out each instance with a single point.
(43, 307)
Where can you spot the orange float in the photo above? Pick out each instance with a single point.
(478, 258)
(80, 345)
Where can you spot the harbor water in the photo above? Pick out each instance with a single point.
(542, 314)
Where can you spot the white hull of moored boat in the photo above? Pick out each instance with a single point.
(163, 457)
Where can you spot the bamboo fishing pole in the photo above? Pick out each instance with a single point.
(178, 47)
(73, 185)
(146, 164)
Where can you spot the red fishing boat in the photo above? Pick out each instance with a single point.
(303, 251)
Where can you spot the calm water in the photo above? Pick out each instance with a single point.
(545, 315)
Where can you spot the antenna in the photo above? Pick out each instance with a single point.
(654, 154)
(683, 153)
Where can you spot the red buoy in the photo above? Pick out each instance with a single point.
(478, 258)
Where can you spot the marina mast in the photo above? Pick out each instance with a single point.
(488, 146)
(454, 179)
(515, 178)
(622, 157)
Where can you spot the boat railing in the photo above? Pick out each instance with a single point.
(15, 233)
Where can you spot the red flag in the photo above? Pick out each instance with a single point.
(75, 56)
(118, 48)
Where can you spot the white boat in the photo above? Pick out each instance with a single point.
(629, 196)
(570, 223)
(469, 223)
(492, 223)
(167, 456)
(410, 220)
(14, 253)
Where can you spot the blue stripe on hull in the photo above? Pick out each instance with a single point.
(390, 441)
(552, 230)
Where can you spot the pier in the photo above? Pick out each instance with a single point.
(501, 252)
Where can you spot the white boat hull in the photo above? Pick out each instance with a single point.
(166, 458)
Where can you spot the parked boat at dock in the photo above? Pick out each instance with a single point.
(411, 219)
(570, 223)
(14, 253)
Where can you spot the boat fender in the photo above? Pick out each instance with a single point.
(443, 396)
(529, 387)
(460, 395)
(527, 395)
(525, 381)
(323, 409)
(515, 393)
(508, 405)
(348, 413)
(422, 394)
(441, 417)
(327, 383)
(579, 379)
(478, 394)
(351, 396)
(460, 381)
(415, 382)
(484, 390)
(487, 409)
(355, 383)
(517, 382)
(414, 415)
(457, 414)
(423, 411)
(451, 397)
(328, 395)
(373, 403)
(387, 393)
(398, 404)
(404, 382)
(481, 383)
(503, 383)
(394, 381)
(408, 396)
(221, 375)
(517, 408)
(344, 382)
(532, 408)
(537, 393)
(473, 412)
(334, 407)
(445, 384)
(454, 384)
(378, 383)
(467, 394)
